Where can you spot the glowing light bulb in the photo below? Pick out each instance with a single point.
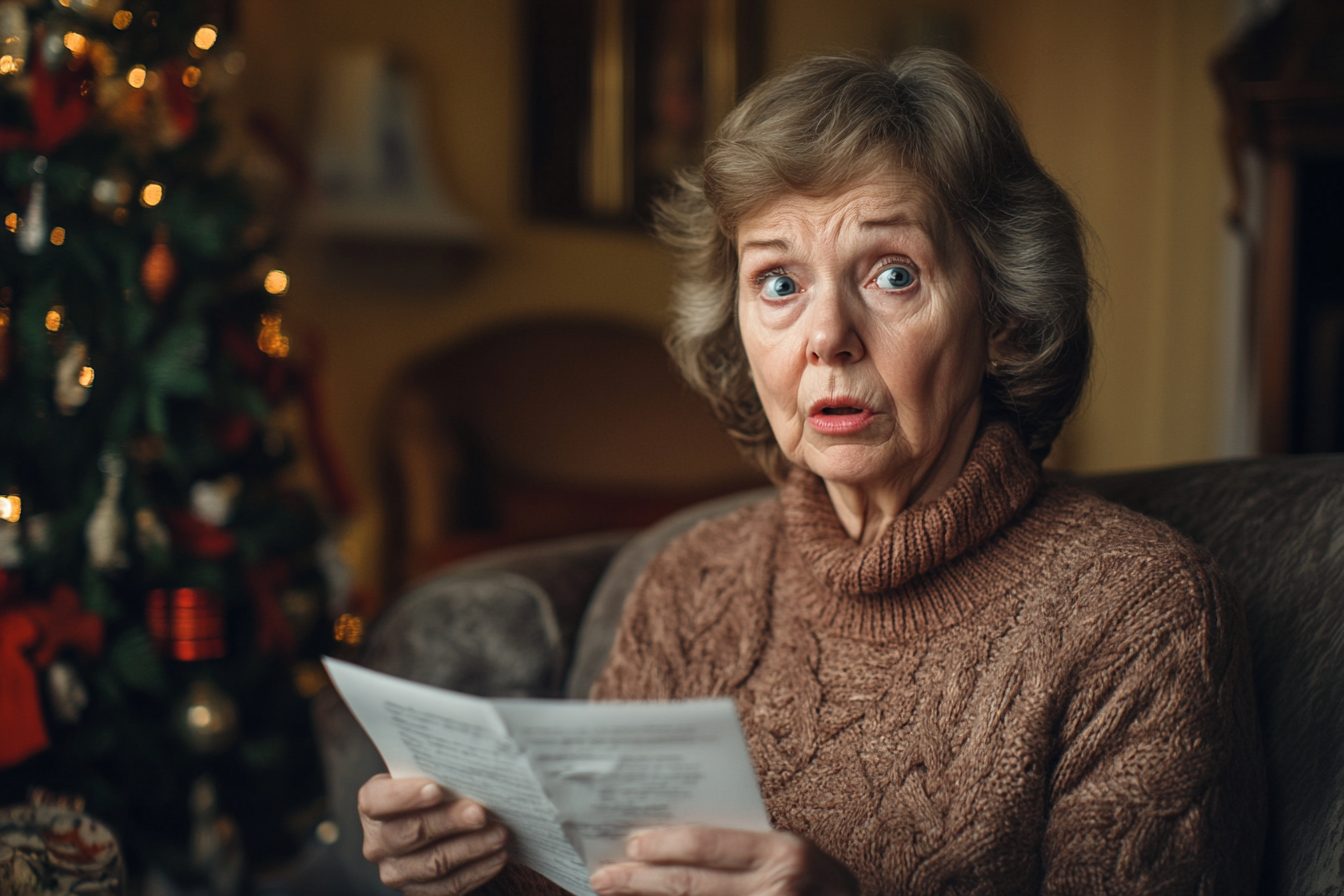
(122, 20)
(11, 508)
(12, 221)
(151, 194)
(9, 65)
(270, 340)
(55, 317)
(86, 376)
(76, 43)
(206, 36)
(57, 236)
(349, 629)
(276, 283)
(136, 77)
(191, 76)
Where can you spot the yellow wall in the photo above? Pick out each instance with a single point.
(1113, 94)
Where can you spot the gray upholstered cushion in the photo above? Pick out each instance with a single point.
(598, 629)
(496, 626)
(1276, 527)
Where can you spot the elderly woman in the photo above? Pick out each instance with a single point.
(953, 676)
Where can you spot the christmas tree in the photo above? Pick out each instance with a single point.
(162, 590)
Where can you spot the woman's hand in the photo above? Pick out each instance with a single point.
(426, 841)
(703, 861)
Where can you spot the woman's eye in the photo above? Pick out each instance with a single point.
(897, 277)
(779, 286)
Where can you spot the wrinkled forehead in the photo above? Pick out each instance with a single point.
(883, 193)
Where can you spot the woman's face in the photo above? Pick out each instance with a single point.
(864, 334)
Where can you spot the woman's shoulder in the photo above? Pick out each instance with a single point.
(1116, 565)
(723, 540)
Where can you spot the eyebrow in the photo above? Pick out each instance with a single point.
(897, 220)
(777, 244)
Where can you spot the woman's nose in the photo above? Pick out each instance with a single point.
(832, 335)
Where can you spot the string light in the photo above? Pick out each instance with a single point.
(57, 236)
(55, 317)
(13, 221)
(11, 508)
(191, 76)
(76, 43)
(86, 376)
(270, 340)
(276, 283)
(235, 62)
(206, 36)
(136, 77)
(11, 65)
(151, 194)
(349, 629)
(122, 20)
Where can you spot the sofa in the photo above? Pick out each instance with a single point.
(539, 619)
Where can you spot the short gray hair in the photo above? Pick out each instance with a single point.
(818, 127)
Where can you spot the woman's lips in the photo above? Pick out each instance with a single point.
(839, 417)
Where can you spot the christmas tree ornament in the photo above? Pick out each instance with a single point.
(49, 847)
(269, 338)
(158, 273)
(66, 693)
(212, 502)
(186, 624)
(207, 717)
(73, 378)
(150, 532)
(111, 192)
(105, 531)
(32, 236)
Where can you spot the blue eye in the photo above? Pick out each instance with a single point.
(898, 277)
(779, 286)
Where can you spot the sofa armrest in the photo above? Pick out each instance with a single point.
(497, 626)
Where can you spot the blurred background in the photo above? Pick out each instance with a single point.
(1117, 98)
(301, 300)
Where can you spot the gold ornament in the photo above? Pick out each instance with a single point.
(158, 273)
(207, 717)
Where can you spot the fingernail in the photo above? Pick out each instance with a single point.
(634, 847)
(601, 880)
(497, 838)
(430, 793)
(473, 815)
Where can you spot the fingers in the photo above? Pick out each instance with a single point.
(464, 881)
(449, 866)
(704, 861)
(702, 846)
(636, 879)
(383, 795)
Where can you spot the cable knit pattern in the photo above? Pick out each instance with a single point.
(1018, 688)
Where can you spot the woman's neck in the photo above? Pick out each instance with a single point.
(865, 509)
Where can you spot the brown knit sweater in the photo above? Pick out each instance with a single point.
(1018, 688)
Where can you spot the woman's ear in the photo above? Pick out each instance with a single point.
(1002, 346)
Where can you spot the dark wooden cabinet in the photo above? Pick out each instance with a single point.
(1282, 84)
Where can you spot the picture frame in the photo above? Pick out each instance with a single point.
(624, 93)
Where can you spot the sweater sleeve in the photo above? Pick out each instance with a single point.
(1159, 785)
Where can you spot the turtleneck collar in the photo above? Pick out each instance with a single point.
(998, 480)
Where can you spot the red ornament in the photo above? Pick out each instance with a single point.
(197, 537)
(186, 623)
(31, 637)
(158, 273)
